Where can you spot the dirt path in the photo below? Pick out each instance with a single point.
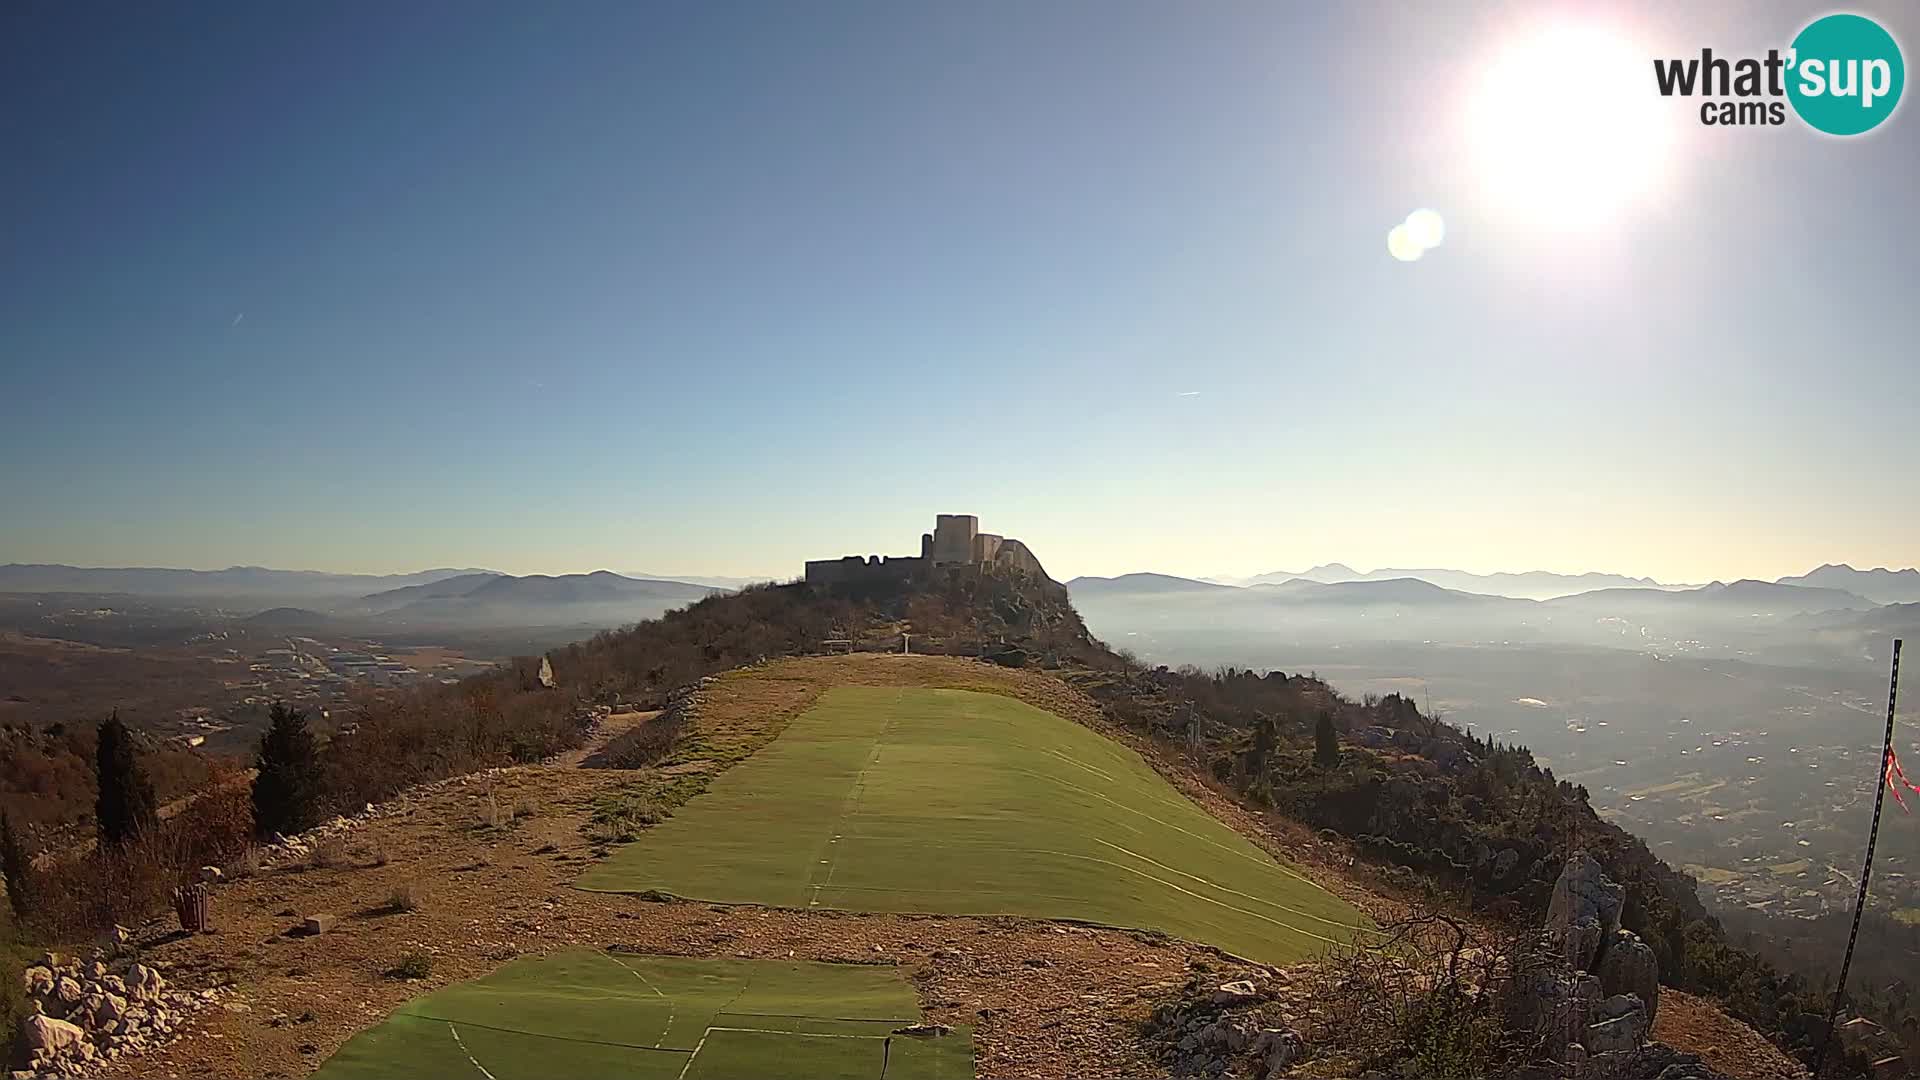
(611, 727)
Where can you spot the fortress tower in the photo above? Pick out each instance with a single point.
(953, 539)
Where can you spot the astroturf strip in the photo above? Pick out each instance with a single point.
(542, 1035)
(826, 1019)
(1268, 862)
(1098, 861)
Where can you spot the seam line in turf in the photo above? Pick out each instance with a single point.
(849, 807)
(556, 1038)
(666, 1029)
(462, 1044)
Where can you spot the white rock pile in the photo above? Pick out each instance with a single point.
(80, 1015)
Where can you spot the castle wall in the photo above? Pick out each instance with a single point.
(1015, 555)
(855, 570)
(986, 546)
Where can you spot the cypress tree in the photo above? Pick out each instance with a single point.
(126, 806)
(286, 791)
(15, 864)
(1326, 742)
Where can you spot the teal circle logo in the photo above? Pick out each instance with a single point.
(1846, 74)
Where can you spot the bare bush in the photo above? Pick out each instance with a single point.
(1430, 992)
(329, 853)
(405, 897)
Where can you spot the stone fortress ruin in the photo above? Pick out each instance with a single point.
(955, 542)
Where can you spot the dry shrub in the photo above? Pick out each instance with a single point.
(1430, 992)
(247, 863)
(124, 884)
(405, 897)
(413, 965)
(328, 853)
(381, 853)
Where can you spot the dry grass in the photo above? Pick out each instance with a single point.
(328, 854)
(406, 897)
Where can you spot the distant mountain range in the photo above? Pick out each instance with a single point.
(1181, 618)
(1293, 593)
(1880, 585)
(233, 582)
(444, 597)
(1747, 596)
(599, 598)
(1530, 585)
(728, 583)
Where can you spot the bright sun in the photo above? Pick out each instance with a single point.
(1565, 131)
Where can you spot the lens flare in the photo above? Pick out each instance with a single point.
(1400, 244)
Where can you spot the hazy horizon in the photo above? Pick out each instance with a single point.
(610, 286)
(784, 575)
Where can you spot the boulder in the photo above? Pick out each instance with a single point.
(145, 983)
(211, 874)
(113, 939)
(1628, 966)
(1277, 1049)
(55, 1037)
(37, 981)
(1238, 992)
(68, 989)
(1583, 892)
(1626, 1029)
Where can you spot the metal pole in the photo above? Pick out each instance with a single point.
(1866, 869)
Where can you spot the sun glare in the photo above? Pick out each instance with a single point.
(1564, 129)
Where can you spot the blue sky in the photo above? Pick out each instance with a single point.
(717, 288)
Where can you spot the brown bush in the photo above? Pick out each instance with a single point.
(1430, 992)
(406, 897)
(75, 897)
(328, 854)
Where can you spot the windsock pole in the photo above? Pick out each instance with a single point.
(1866, 869)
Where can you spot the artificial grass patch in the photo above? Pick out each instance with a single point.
(955, 802)
(658, 1018)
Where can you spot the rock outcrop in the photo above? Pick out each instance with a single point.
(1591, 992)
(80, 1015)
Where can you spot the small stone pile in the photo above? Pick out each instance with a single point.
(82, 1014)
(1235, 1029)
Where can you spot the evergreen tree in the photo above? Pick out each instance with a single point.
(15, 864)
(286, 791)
(1326, 742)
(126, 806)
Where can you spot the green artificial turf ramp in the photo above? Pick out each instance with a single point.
(954, 802)
(658, 1018)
